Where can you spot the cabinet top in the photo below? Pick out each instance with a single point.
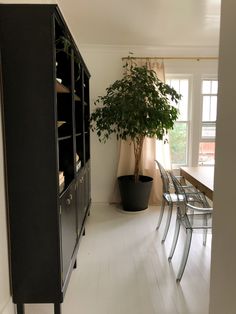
(8, 9)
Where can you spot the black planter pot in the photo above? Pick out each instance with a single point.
(135, 195)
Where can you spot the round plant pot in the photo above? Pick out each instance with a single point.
(135, 195)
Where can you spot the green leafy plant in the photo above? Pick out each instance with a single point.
(135, 107)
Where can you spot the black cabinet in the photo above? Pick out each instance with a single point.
(47, 149)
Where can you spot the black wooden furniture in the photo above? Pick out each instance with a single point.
(45, 112)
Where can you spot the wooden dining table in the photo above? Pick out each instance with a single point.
(202, 177)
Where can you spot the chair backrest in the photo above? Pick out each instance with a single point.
(188, 196)
(179, 190)
(164, 177)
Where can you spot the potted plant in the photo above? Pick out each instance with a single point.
(135, 107)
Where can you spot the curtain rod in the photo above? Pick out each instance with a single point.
(173, 58)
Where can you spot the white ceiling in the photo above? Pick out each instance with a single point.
(151, 23)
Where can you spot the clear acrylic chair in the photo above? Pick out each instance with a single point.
(190, 217)
(170, 198)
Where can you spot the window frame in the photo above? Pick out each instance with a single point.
(188, 77)
(206, 139)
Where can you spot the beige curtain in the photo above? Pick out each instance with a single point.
(152, 149)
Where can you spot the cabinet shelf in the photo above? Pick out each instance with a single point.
(77, 98)
(64, 137)
(62, 89)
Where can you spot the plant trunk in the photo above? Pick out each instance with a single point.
(138, 147)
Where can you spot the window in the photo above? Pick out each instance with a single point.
(208, 126)
(192, 141)
(178, 137)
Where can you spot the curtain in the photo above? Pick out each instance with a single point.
(152, 148)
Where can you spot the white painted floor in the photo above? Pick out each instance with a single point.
(123, 268)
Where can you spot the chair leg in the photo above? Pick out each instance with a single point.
(204, 237)
(205, 230)
(175, 239)
(185, 255)
(169, 214)
(161, 213)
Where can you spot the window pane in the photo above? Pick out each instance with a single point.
(206, 108)
(181, 87)
(183, 104)
(174, 84)
(213, 108)
(178, 144)
(207, 153)
(214, 87)
(209, 111)
(206, 87)
(208, 131)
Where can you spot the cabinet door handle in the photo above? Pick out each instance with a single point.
(69, 199)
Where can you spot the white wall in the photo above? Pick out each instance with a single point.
(105, 68)
(223, 271)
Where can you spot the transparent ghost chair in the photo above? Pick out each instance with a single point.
(190, 217)
(170, 198)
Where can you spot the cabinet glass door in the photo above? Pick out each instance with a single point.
(86, 117)
(79, 113)
(64, 109)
